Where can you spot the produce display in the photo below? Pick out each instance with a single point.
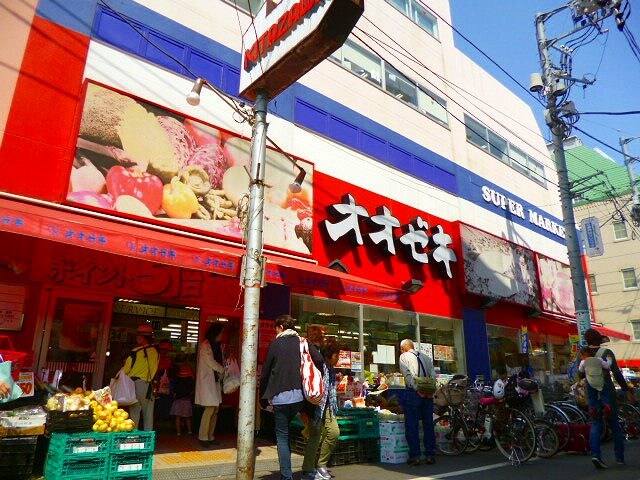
(135, 158)
(107, 417)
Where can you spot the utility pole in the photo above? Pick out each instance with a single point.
(554, 84)
(628, 160)
(252, 275)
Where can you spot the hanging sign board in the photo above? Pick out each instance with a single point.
(591, 237)
(287, 38)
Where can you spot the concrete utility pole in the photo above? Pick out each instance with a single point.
(635, 198)
(554, 83)
(252, 275)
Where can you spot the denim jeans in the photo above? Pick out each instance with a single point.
(593, 394)
(282, 415)
(616, 430)
(419, 409)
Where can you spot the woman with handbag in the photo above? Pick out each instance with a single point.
(208, 383)
(419, 376)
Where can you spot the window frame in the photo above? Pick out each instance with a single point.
(410, 11)
(616, 238)
(592, 284)
(624, 280)
(634, 323)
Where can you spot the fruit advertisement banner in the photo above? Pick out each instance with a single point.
(135, 158)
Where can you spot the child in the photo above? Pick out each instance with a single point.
(594, 369)
(183, 392)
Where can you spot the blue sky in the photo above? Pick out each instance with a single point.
(505, 31)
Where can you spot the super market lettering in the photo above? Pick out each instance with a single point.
(415, 238)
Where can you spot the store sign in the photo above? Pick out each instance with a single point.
(507, 204)
(287, 38)
(417, 237)
(590, 229)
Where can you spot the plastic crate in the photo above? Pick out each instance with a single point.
(130, 464)
(131, 476)
(76, 467)
(135, 441)
(346, 452)
(69, 422)
(83, 444)
(355, 428)
(16, 457)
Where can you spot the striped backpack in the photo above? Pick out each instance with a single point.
(312, 384)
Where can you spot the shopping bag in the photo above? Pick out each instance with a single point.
(164, 385)
(231, 380)
(123, 389)
(312, 384)
(15, 391)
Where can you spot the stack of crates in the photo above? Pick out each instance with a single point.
(16, 457)
(100, 456)
(131, 455)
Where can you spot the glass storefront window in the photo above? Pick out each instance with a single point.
(503, 342)
(383, 330)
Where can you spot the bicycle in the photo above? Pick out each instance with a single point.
(450, 427)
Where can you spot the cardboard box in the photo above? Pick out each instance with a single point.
(394, 457)
(23, 421)
(393, 441)
(391, 428)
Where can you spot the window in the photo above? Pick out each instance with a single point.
(507, 153)
(629, 279)
(593, 286)
(400, 86)
(418, 14)
(432, 105)
(636, 329)
(620, 230)
(251, 6)
(362, 62)
(498, 147)
(476, 132)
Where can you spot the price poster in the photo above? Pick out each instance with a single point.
(356, 361)
(26, 383)
(344, 359)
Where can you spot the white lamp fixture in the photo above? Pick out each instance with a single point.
(193, 98)
(296, 186)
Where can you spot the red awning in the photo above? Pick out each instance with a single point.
(632, 363)
(611, 333)
(113, 235)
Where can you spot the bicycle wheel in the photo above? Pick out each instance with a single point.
(629, 417)
(556, 416)
(573, 412)
(516, 437)
(451, 435)
(547, 441)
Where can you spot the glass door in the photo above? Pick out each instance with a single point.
(75, 341)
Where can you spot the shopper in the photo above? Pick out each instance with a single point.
(595, 369)
(209, 374)
(594, 340)
(417, 406)
(281, 385)
(323, 424)
(163, 380)
(141, 365)
(183, 392)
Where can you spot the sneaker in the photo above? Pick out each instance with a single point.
(204, 443)
(606, 411)
(413, 461)
(313, 475)
(325, 473)
(430, 460)
(598, 463)
(620, 461)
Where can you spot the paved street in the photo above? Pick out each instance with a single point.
(489, 465)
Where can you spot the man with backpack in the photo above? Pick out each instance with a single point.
(416, 366)
(594, 340)
(141, 366)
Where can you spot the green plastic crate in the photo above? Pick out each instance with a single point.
(355, 428)
(130, 464)
(135, 441)
(61, 467)
(131, 476)
(83, 444)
